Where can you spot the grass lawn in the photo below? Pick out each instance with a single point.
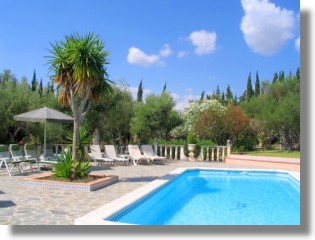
(275, 153)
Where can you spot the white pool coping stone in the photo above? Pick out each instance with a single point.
(98, 216)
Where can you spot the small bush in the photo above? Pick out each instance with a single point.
(63, 167)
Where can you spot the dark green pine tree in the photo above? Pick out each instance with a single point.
(297, 74)
(249, 89)
(202, 96)
(275, 77)
(223, 97)
(281, 76)
(34, 83)
(229, 94)
(40, 88)
(140, 92)
(257, 85)
(164, 88)
(235, 100)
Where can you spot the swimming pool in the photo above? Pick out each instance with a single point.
(209, 197)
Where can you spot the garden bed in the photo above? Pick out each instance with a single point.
(47, 180)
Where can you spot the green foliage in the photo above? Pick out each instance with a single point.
(84, 140)
(17, 98)
(191, 138)
(63, 167)
(112, 115)
(276, 112)
(155, 118)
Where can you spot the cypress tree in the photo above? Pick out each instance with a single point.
(275, 77)
(257, 85)
(297, 74)
(202, 95)
(40, 89)
(229, 94)
(249, 89)
(34, 83)
(140, 92)
(281, 76)
(164, 88)
(222, 97)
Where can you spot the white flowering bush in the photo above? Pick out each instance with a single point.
(192, 112)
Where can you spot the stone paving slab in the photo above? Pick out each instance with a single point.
(27, 205)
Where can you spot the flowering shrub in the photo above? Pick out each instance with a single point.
(191, 115)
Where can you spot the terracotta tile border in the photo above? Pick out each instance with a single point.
(39, 181)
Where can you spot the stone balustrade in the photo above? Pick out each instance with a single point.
(207, 153)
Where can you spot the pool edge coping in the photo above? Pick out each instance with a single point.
(97, 216)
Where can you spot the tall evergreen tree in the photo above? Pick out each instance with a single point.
(249, 89)
(229, 94)
(218, 92)
(257, 85)
(34, 83)
(275, 77)
(140, 92)
(297, 74)
(40, 88)
(164, 88)
(202, 95)
(223, 97)
(281, 76)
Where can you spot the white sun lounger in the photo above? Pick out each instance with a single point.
(137, 156)
(110, 152)
(149, 152)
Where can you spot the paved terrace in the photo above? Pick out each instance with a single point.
(26, 205)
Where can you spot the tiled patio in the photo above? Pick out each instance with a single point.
(26, 205)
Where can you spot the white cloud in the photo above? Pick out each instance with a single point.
(166, 51)
(266, 27)
(204, 41)
(182, 54)
(297, 44)
(138, 57)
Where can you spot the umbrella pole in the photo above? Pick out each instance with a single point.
(45, 142)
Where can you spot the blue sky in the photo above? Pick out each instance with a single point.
(193, 46)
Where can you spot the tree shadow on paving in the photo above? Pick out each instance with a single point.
(6, 203)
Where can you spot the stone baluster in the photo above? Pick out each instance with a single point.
(228, 150)
(223, 155)
(207, 156)
(165, 150)
(201, 155)
(212, 154)
(161, 153)
(218, 153)
(175, 156)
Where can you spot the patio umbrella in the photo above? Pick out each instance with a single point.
(44, 115)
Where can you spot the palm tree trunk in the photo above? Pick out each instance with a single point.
(76, 126)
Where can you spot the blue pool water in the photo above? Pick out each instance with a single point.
(219, 197)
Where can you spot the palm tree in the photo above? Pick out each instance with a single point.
(78, 66)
